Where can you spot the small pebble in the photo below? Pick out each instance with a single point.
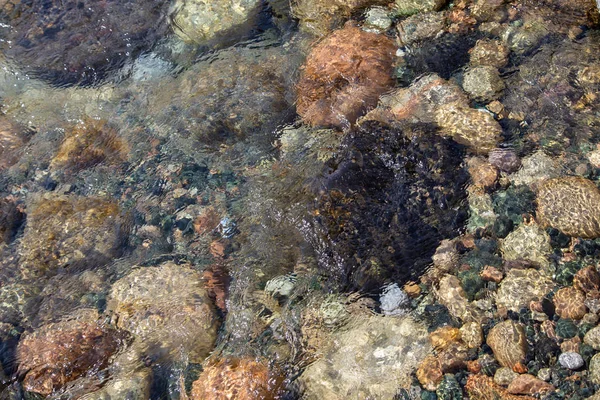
(504, 376)
(571, 360)
(592, 338)
(545, 374)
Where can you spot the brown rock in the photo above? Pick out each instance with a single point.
(476, 129)
(343, 76)
(529, 384)
(442, 337)
(217, 248)
(10, 143)
(483, 83)
(587, 279)
(569, 303)
(570, 345)
(471, 334)
(430, 373)
(234, 378)
(207, 221)
(453, 358)
(412, 289)
(481, 387)
(489, 52)
(418, 102)
(61, 352)
(11, 217)
(483, 174)
(90, 143)
(491, 274)
(216, 281)
(508, 342)
(570, 204)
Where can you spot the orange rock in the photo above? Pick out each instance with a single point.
(474, 366)
(481, 387)
(442, 337)
(430, 373)
(483, 174)
(491, 274)
(570, 345)
(412, 290)
(207, 221)
(587, 279)
(569, 303)
(529, 384)
(61, 352)
(217, 248)
(343, 77)
(216, 282)
(240, 379)
(508, 342)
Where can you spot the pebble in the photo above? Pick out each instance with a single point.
(571, 360)
(483, 83)
(442, 337)
(430, 373)
(472, 334)
(594, 369)
(378, 20)
(491, 274)
(571, 205)
(521, 286)
(449, 389)
(509, 343)
(504, 376)
(535, 168)
(505, 160)
(569, 303)
(420, 27)
(587, 279)
(545, 374)
(489, 52)
(394, 301)
(483, 174)
(529, 242)
(410, 7)
(481, 387)
(529, 384)
(592, 338)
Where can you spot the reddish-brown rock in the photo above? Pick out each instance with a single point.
(481, 387)
(430, 372)
(509, 343)
(442, 337)
(483, 174)
(240, 379)
(343, 77)
(491, 274)
(61, 352)
(587, 279)
(529, 384)
(206, 221)
(569, 303)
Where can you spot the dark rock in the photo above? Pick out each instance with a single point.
(71, 42)
(565, 328)
(385, 204)
(449, 389)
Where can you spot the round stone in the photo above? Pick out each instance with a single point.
(594, 369)
(571, 360)
(504, 376)
(509, 343)
(483, 83)
(592, 338)
(569, 303)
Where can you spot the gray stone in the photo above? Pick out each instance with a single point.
(410, 7)
(571, 360)
(536, 168)
(529, 242)
(394, 301)
(281, 286)
(420, 27)
(504, 376)
(483, 83)
(377, 20)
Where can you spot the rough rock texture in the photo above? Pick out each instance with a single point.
(60, 352)
(10, 143)
(420, 27)
(418, 102)
(587, 279)
(451, 294)
(509, 343)
(319, 17)
(90, 143)
(529, 384)
(243, 379)
(205, 21)
(594, 369)
(471, 334)
(413, 204)
(536, 168)
(483, 174)
(382, 366)
(11, 218)
(430, 373)
(521, 286)
(409, 7)
(569, 303)
(527, 242)
(505, 160)
(483, 83)
(592, 338)
(70, 231)
(132, 386)
(489, 52)
(481, 387)
(167, 309)
(77, 41)
(476, 129)
(343, 76)
(571, 205)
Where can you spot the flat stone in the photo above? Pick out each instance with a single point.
(529, 384)
(521, 286)
(527, 242)
(471, 334)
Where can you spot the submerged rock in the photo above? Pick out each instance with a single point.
(521, 286)
(536, 168)
(243, 379)
(481, 387)
(11, 218)
(70, 231)
(489, 52)
(527, 242)
(509, 343)
(569, 303)
(69, 42)
(60, 352)
(10, 143)
(571, 205)
(383, 351)
(529, 384)
(167, 309)
(483, 83)
(360, 76)
(476, 129)
(205, 22)
(409, 183)
(409, 7)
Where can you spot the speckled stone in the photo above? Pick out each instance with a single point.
(509, 343)
(449, 389)
(504, 376)
(592, 338)
(430, 373)
(594, 369)
(528, 242)
(442, 337)
(545, 374)
(536, 168)
(489, 52)
(451, 294)
(483, 174)
(571, 360)
(409, 7)
(521, 286)
(476, 129)
(569, 303)
(571, 205)
(483, 83)
(420, 27)
(472, 334)
(587, 279)
(481, 387)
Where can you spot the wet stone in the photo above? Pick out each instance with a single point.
(529, 242)
(594, 369)
(571, 205)
(339, 106)
(529, 384)
(504, 376)
(489, 52)
(566, 329)
(483, 175)
(420, 27)
(571, 360)
(509, 343)
(483, 83)
(536, 168)
(449, 389)
(587, 279)
(520, 287)
(69, 43)
(569, 303)
(472, 334)
(592, 338)
(430, 373)
(409, 7)
(481, 387)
